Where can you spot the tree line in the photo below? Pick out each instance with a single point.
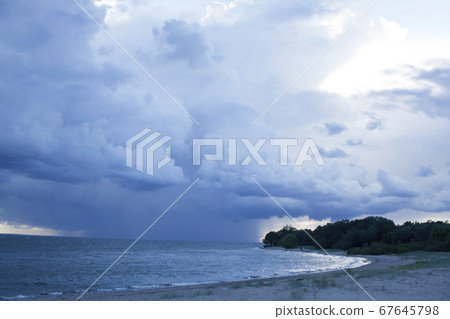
(371, 235)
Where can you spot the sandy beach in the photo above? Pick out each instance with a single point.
(414, 276)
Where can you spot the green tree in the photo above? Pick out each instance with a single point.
(289, 241)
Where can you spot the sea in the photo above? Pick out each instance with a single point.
(33, 266)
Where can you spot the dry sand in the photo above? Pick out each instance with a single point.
(415, 276)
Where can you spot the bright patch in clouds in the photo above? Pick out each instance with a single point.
(6, 228)
(115, 12)
(276, 223)
(386, 63)
(221, 13)
(333, 23)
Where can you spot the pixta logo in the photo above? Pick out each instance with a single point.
(141, 149)
(307, 152)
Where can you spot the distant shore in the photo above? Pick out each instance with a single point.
(413, 276)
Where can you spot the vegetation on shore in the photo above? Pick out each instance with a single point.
(368, 236)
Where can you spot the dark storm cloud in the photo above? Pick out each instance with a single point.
(71, 99)
(63, 133)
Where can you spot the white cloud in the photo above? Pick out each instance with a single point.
(384, 63)
(410, 215)
(221, 13)
(116, 11)
(276, 223)
(334, 23)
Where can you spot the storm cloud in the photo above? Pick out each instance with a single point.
(71, 98)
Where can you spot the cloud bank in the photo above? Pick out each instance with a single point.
(376, 106)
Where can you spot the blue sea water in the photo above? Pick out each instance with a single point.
(36, 265)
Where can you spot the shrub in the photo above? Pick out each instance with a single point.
(289, 241)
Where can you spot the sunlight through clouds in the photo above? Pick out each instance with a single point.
(6, 228)
(386, 63)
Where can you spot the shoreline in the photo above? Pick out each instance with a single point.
(200, 285)
(387, 277)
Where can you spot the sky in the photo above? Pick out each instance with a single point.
(373, 94)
